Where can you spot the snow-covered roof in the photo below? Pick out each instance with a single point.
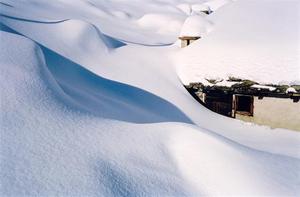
(195, 26)
(270, 88)
(250, 40)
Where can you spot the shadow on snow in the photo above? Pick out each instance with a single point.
(107, 98)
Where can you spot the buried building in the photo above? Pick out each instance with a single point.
(187, 40)
(277, 107)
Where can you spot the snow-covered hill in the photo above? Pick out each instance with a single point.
(92, 105)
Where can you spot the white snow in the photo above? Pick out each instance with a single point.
(247, 43)
(91, 105)
(162, 23)
(291, 90)
(196, 26)
(185, 8)
(198, 8)
(263, 87)
(217, 4)
(227, 83)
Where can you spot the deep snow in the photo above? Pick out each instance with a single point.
(89, 110)
(251, 39)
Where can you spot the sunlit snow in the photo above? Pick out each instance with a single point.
(92, 101)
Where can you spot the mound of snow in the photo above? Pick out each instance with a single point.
(196, 26)
(49, 149)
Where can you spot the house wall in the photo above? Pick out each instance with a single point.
(275, 112)
(191, 41)
(184, 43)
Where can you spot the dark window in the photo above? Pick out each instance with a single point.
(244, 105)
(219, 103)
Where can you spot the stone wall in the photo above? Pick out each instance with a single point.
(275, 112)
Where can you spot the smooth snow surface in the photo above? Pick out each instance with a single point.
(251, 39)
(92, 105)
(196, 26)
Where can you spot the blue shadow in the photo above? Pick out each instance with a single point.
(107, 98)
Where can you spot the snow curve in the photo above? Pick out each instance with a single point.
(75, 37)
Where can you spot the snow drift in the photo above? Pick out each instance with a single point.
(74, 37)
(56, 150)
(105, 118)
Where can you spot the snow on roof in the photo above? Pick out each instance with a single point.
(291, 90)
(195, 26)
(227, 83)
(263, 87)
(247, 43)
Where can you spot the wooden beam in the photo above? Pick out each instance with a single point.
(189, 38)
